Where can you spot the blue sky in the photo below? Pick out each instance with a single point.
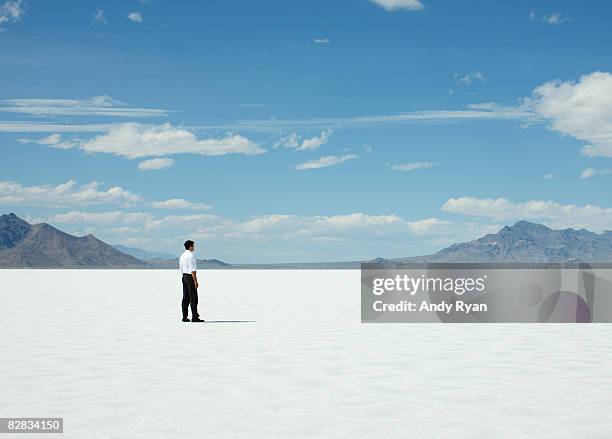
(305, 131)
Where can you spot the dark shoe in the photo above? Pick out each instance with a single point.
(185, 319)
(197, 319)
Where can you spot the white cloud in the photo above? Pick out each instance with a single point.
(291, 141)
(468, 78)
(195, 220)
(132, 140)
(474, 112)
(391, 5)
(10, 12)
(294, 141)
(532, 15)
(277, 236)
(70, 194)
(555, 18)
(580, 109)
(135, 17)
(96, 106)
(146, 221)
(590, 172)
(99, 17)
(47, 127)
(411, 166)
(315, 142)
(549, 176)
(54, 140)
(321, 41)
(338, 228)
(493, 112)
(552, 18)
(263, 227)
(325, 161)
(114, 218)
(258, 105)
(332, 225)
(155, 164)
(553, 214)
(179, 203)
(64, 194)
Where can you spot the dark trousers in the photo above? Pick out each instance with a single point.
(190, 297)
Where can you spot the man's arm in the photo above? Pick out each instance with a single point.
(193, 272)
(195, 279)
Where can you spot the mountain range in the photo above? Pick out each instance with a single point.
(142, 254)
(528, 242)
(24, 245)
(43, 246)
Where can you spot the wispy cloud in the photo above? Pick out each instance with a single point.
(315, 142)
(145, 220)
(112, 218)
(321, 41)
(99, 17)
(291, 141)
(49, 127)
(581, 109)
(155, 164)
(11, 11)
(65, 194)
(325, 161)
(491, 112)
(71, 194)
(54, 140)
(468, 78)
(97, 106)
(556, 18)
(179, 203)
(391, 5)
(132, 140)
(256, 105)
(552, 18)
(295, 141)
(265, 227)
(136, 17)
(406, 167)
(554, 214)
(590, 172)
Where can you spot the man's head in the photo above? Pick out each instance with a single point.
(189, 245)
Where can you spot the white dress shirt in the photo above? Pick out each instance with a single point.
(187, 262)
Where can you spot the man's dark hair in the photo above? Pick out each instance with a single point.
(188, 244)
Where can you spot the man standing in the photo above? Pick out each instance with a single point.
(187, 263)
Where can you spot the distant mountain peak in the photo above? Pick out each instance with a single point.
(529, 226)
(42, 245)
(12, 230)
(10, 217)
(530, 242)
